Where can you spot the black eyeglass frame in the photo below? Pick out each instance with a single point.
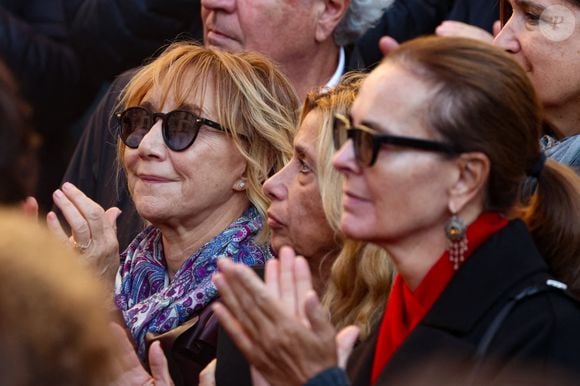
(197, 120)
(378, 140)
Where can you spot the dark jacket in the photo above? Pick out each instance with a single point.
(408, 19)
(542, 329)
(34, 44)
(112, 36)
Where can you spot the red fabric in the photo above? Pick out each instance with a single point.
(406, 308)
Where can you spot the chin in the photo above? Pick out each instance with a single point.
(277, 242)
(356, 231)
(151, 213)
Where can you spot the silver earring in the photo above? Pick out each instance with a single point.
(241, 185)
(455, 232)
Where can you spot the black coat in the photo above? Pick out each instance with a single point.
(408, 19)
(543, 329)
(112, 36)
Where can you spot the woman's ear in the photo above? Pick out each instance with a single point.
(330, 14)
(469, 187)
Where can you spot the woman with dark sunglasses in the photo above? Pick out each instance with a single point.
(438, 143)
(200, 131)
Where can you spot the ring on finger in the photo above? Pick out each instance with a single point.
(82, 247)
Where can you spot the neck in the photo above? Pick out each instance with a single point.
(414, 256)
(565, 119)
(180, 241)
(320, 268)
(312, 69)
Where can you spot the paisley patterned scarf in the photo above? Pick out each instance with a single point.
(150, 302)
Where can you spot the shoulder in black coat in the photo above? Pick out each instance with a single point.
(542, 330)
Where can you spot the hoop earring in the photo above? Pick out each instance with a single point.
(457, 246)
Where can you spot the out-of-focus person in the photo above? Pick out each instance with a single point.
(18, 145)
(200, 131)
(435, 180)
(53, 315)
(544, 38)
(311, 41)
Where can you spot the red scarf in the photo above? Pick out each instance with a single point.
(405, 308)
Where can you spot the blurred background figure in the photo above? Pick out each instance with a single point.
(53, 317)
(545, 40)
(18, 144)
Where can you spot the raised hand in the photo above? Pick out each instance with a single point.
(280, 325)
(94, 232)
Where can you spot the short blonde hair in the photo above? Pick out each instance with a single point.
(255, 104)
(53, 318)
(361, 275)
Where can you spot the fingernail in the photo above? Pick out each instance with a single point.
(58, 193)
(66, 186)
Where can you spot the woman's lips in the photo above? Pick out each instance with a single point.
(273, 222)
(153, 178)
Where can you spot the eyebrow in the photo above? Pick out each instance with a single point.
(530, 4)
(184, 106)
(302, 152)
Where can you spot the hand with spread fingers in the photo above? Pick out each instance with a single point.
(93, 229)
(280, 325)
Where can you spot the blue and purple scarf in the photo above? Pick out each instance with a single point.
(150, 302)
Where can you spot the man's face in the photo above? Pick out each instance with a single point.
(283, 30)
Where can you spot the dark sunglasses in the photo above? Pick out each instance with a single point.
(179, 127)
(367, 145)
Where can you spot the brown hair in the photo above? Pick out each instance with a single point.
(18, 143)
(255, 103)
(361, 275)
(484, 102)
(53, 318)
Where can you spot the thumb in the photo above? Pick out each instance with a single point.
(111, 216)
(345, 341)
(496, 28)
(30, 207)
(159, 366)
(317, 316)
(387, 45)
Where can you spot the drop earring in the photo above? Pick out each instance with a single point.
(455, 232)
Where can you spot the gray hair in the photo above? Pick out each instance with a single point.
(360, 16)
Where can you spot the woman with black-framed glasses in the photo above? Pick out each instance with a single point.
(199, 132)
(440, 140)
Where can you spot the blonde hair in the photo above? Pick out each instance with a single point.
(255, 104)
(53, 318)
(361, 275)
